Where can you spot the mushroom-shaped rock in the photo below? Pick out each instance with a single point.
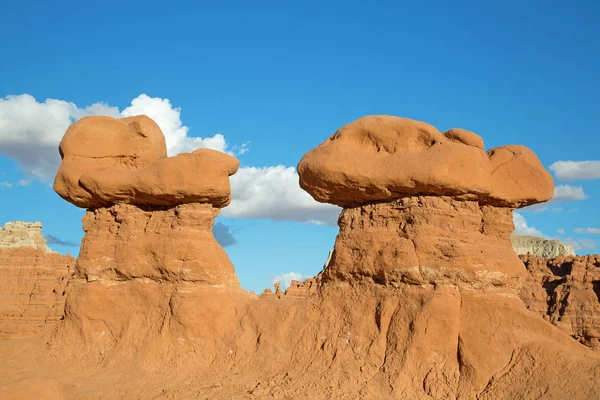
(148, 225)
(198, 177)
(382, 158)
(421, 206)
(98, 143)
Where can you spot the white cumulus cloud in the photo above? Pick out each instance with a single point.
(274, 193)
(591, 231)
(576, 170)
(562, 194)
(522, 228)
(169, 120)
(568, 193)
(285, 280)
(30, 131)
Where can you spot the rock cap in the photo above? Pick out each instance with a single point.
(383, 158)
(108, 161)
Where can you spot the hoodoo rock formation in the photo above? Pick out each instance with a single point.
(148, 226)
(149, 216)
(421, 206)
(429, 214)
(418, 301)
(32, 280)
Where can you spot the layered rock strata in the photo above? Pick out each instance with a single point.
(421, 206)
(426, 240)
(33, 280)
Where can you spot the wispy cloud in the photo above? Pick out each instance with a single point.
(591, 231)
(580, 244)
(5, 184)
(562, 194)
(522, 228)
(576, 170)
(51, 239)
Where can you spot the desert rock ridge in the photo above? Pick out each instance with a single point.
(419, 300)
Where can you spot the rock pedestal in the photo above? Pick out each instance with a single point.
(126, 242)
(426, 240)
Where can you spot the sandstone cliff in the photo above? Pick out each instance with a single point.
(542, 248)
(32, 280)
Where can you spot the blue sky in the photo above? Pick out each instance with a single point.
(281, 77)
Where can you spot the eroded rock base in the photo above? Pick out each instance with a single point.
(426, 240)
(171, 244)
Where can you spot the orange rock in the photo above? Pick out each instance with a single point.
(32, 388)
(465, 137)
(108, 161)
(383, 158)
(125, 242)
(426, 240)
(419, 299)
(198, 177)
(566, 290)
(97, 143)
(32, 290)
(518, 177)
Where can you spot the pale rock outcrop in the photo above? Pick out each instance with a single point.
(23, 234)
(541, 248)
